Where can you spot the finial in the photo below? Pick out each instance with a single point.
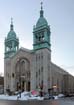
(41, 11)
(11, 20)
(41, 5)
(11, 26)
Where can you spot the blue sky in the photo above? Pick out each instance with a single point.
(25, 13)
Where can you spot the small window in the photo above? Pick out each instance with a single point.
(42, 69)
(13, 75)
(39, 71)
(36, 74)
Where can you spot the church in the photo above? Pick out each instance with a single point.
(33, 69)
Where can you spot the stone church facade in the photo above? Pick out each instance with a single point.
(32, 69)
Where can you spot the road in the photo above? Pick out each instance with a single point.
(45, 102)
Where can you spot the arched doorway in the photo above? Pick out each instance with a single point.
(22, 72)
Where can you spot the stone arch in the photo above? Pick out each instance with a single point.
(22, 74)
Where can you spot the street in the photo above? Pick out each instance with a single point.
(66, 101)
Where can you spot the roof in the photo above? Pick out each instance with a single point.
(11, 34)
(41, 22)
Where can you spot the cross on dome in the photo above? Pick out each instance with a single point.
(11, 20)
(41, 11)
(11, 26)
(41, 5)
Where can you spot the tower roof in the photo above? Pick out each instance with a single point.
(41, 21)
(11, 33)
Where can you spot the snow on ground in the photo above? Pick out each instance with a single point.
(24, 96)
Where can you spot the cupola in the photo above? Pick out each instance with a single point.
(11, 42)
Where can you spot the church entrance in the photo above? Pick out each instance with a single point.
(25, 86)
(22, 71)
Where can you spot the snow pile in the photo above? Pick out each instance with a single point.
(55, 97)
(30, 96)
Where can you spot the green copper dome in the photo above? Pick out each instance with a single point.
(11, 34)
(41, 21)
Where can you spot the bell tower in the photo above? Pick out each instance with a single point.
(41, 33)
(11, 42)
(42, 50)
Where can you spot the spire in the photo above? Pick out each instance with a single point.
(41, 11)
(11, 25)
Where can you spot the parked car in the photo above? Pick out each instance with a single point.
(48, 96)
(61, 95)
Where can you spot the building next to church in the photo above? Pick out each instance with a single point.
(33, 69)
